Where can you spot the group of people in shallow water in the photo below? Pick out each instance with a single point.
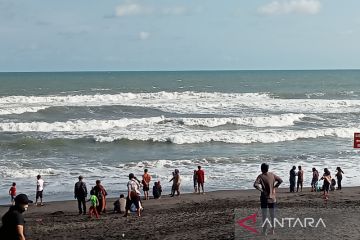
(329, 183)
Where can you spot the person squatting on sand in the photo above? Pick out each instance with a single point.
(146, 178)
(327, 181)
(200, 179)
(133, 196)
(12, 193)
(80, 193)
(94, 203)
(292, 179)
(300, 180)
(176, 183)
(266, 183)
(314, 180)
(101, 194)
(195, 181)
(120, 204)
(13, 223)
(39, 190)
(339, 177)
(157, 190)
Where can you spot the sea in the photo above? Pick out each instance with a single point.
(105, 125)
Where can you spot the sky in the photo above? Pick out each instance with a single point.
(141, 35)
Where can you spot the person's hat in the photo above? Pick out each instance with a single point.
(22, 199)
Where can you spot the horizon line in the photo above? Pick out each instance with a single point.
(183, 70)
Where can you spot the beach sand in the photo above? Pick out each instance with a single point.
(210, 216)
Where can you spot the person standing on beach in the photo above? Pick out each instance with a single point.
(314, 180)
(339, 177)
(200, 179)
(13, 221)
(292, 179)
(12, 193)
(101, 194)
(39, 190)
(195, 181)
(327, 181)
(266, 183)
(80, 193)
(146, 178)
(176, 183)
(133, 196)
(300, 180)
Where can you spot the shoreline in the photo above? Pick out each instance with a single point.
(192, 216)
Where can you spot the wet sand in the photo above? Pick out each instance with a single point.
(214, 215)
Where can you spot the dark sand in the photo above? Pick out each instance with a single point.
(192, 216)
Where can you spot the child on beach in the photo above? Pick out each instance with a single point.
(94, 203)
(39, 190)
(12, 193)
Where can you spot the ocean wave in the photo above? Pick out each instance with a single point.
(282, 120)
(7, 172)
(78, 125)
(103, 125)
(19, 110)
(184, 102)
(227, 136)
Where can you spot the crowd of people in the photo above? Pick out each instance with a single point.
(266, 183)
(329, 183)
(132, 202)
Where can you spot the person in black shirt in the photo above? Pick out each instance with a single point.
(13, 221)
(80, 193)
(292, 179)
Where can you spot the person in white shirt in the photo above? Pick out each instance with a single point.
(133, 196)
(39, 190)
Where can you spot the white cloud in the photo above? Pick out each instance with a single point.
(144, 35)
(174, 10)
(131, 9)
(293, 6)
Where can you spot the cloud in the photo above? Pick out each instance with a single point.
(293, 6)
(129, 9)
(174, 10)
(144, 35)
(132, 9)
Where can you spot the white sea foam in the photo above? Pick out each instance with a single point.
(226, 136)
(102, 125)
(19, 110)
(78, 125)
(187, 102)
(220, 173)
(20, 172)
(266, 121)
